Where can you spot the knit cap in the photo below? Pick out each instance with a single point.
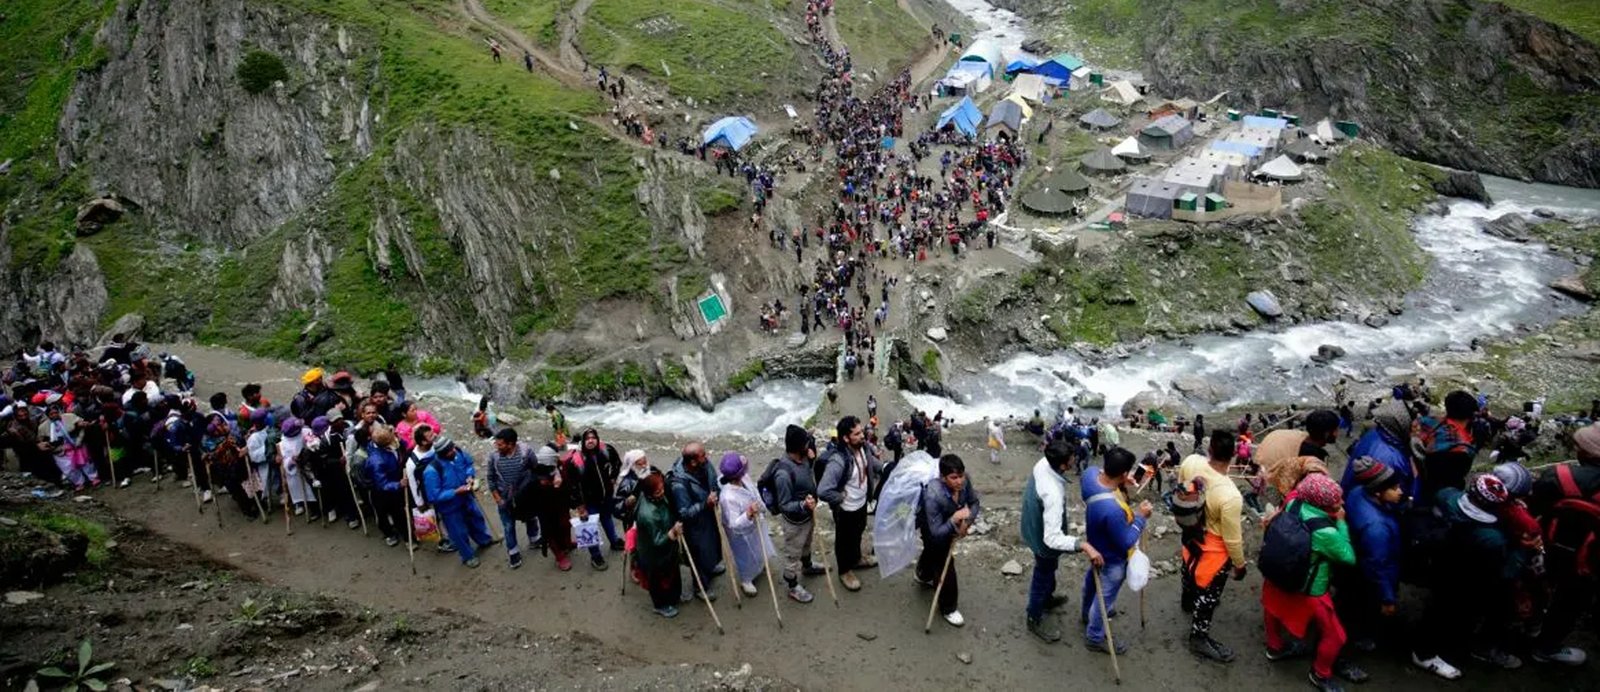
(1515, 476)
(1373, 475)
(1321, 491)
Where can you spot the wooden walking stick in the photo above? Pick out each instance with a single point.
(260, 489)
(356, 500)
(727, 557)
(927, 627)
(626, 556)
(699, 584)
(826, 571)
(283, 474)
(411, 546)
(111, 464)
(1105, 619)
(199, 505)
(766, 566)
(211, 487)
(1141, 591)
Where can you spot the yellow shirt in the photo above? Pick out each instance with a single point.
(1224, 504)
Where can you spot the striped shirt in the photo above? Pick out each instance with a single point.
(507, 472)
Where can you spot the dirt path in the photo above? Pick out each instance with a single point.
(547, 62)
(570, 54)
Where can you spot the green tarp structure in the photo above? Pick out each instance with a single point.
(712, 309)
(1057, 194)
(1102, 162)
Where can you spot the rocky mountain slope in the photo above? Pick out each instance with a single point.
(1465, 83)
(356, 182)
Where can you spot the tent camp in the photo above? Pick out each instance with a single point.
(1102, 162)
(1251, 132)
(1099, 119)
(1152, 198)
(1303, 150)
(1060, 67)
(966, 78)
(1281, 169)
(1122, 92)
(1029, 86)
(987, 52)
(1130, 151)
(1006, 117)
(963, 116)
(1326, 132)
(1193, 172)
(1056, 194)
(1234, 160)
(1264, 141)
(1169, 132)
(1252, 151)
(732, 132)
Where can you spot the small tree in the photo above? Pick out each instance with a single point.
(259, 70)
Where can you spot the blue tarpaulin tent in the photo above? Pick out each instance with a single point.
(965, 116)
(1245, 148)
(1022, 63)
(732, 131)
(1265, 123)
(1059, 67)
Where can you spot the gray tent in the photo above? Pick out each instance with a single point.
(1152, 198)
(1102, 162)
(1304, 150)
(1169, 132)
(1057, 193)
(1099, 119)
(1007, 115)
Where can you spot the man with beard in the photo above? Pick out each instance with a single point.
(692, 486)
(851, 469)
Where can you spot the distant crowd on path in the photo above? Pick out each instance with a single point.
(1506, 558)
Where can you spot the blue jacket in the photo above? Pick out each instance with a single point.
(1377, 444)
(938, 505)
(442, 477)
(1108, 528)
(383, 468)
(1375, 530)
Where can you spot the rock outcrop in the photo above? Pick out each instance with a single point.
(1463, 185)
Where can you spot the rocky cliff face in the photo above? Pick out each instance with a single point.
(1463, 83)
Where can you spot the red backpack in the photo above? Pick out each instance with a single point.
(1574, 506)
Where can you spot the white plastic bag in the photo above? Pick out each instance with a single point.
(894, 530)
(1138, 570)
(586, 532)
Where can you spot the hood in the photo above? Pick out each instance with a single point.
(1394, 423)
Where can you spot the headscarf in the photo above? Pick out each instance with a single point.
(628, 460)
(312, 375)
(1587, 441)
(1286, 476)
(1394, 422)
(732, 467)
(1321, 492)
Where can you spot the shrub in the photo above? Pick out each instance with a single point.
(259, 70)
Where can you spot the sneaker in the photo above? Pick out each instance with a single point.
(472, 563)
(1100, 647)
(445, 547)
(391, 541)
(1037, 627)
(1293, 650)
(331, 517)
(1324, 684)
(1350, 671)
(155, 478)
(1437, 666)
(618, 546)
(799, 594)
(125, 483)
(563, 563)
(599, 564)
(205, 496)
(516, 560)
(813, 570)
(718, 570)
(850, 581)
(184, 483)
(141, 469)
(1498, 657)
(749, 588)
(492, 543)
(954, 618)
(1566, 655)
(1204, 646)
(924, 583)
(299, 510)
(353, 523)
(668, 612)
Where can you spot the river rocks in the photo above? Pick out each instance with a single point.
(1572, 285)
(1508, 227)
(1544, 213)
(1089, 400)
(1198, 388)
(1265, 303)
(938, 334)
(1156, 400)
(1327, 353)
(1463, 184)
(1376, 321)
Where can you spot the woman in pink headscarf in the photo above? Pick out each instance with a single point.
(410, 418)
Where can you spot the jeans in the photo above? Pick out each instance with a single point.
(1043, 585)
(1111, 578)
(465, 526)
(508, 526)
(928, 565)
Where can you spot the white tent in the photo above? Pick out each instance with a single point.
(1080, 78)
(1130, 149)
(1281, 168)
(1029, 86)
(1326, 132)
(1122, 91)
(988, 52)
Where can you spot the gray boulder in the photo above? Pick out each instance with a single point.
(1463, 184)
(1198, 388)
(1572, 285)
(1089, 400)
(1508, 227)
(1156, 400)
(1265, 303)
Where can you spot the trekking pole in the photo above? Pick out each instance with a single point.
(260, 489)
(105, 440)
(411, 547)
(211, 487)
(283, 471)
(766, 566)
(316, 489)
(1141, 591)
(727, 557)
(826, 571)
(699, 584)
(356, 500)
(626, 556)
(1105, 619)
(948, 557)
(199, 505)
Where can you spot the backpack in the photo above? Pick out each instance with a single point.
(1423, 532)
(767, 487)
(420, 471)
(1574, 507)
(1287, 559)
